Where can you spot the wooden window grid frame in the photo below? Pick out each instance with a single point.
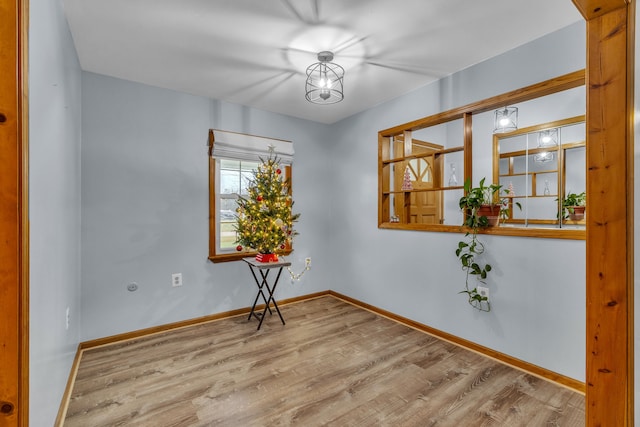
(466, 113)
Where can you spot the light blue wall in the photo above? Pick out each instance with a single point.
(54, 211)
(145, 205)
(537, 286)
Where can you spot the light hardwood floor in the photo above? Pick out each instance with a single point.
(331, 364)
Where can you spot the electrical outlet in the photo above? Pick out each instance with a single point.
(132, 287)
(483, 291)
(67, 319)
(176, 279)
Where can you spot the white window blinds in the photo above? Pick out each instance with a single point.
(240, 146)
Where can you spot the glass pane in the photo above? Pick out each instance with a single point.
(575, 174)
(547, 185)
(532, 164)
(445, 135)
(452, 212)
(234, 178)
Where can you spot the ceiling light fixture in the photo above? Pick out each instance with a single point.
(324, 80)
(548, 138)
(506, 120)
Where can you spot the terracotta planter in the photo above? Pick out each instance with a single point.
(578, 213)
(267, 257)
(492, 212)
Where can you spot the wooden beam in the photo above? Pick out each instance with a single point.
(609, 291)
(591, 9)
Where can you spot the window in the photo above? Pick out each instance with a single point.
(232, 159)
(423, 164)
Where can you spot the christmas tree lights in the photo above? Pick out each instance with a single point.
(265, 217)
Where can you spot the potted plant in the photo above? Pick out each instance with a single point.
(482, 204)
(574, 205)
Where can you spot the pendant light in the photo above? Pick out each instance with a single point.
(325, 80)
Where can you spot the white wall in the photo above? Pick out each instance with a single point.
(537, 286)
(54, 211)
(145, 206)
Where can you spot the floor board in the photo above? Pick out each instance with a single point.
(331, 364)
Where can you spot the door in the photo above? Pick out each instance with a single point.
(425, 207)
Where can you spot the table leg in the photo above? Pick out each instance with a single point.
(263, 285)
(271, 291)
(260, 285)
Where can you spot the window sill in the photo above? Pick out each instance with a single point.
(540, 232)
(237, 256)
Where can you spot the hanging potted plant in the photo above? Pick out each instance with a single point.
(574, 206)
(480, 204)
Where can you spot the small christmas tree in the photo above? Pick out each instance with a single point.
(265, 219)
(406, 183)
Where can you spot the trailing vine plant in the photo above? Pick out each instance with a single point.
(471, 248)
(467, 252)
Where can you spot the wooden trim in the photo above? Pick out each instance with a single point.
(609, 323)
(469, 345)
(630, 179)
(558, 84)
(546, 233)
(64, 405)
(14, 252)
(383, 154)
(233, 256)
(212, 201)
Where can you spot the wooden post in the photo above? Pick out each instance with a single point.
(14, 246)
(609, 360)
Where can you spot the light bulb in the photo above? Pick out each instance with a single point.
(504, 121)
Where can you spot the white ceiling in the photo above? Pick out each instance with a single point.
(255, 52)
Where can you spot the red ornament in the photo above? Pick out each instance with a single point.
(259, 198)
(282, 246)
(278, 171)
(239, 248)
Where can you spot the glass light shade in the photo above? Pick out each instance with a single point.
(548, 138)
(325, 81)
(543, 157)
(506, 120)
